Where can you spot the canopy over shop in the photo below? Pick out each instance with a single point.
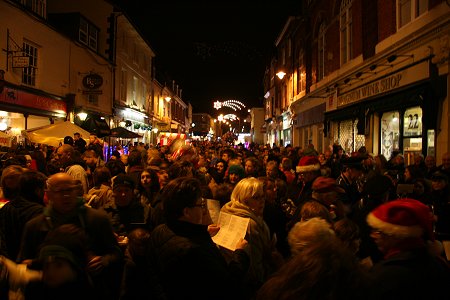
(54, 134)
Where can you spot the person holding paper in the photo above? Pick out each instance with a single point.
(247, 201)
(184, 262)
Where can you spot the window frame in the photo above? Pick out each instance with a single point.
(345, 31)
(321, 52)
(29, 73)
(416, 9)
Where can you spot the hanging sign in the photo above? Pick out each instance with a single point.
(20, 61)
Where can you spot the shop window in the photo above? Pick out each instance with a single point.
(346, 135)
(29, 73)
(412, 133)
(390, 132)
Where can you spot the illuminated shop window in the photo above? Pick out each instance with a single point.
(390, 132)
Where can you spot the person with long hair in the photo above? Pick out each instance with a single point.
(248, 201)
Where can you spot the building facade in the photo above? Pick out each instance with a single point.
(368, 73)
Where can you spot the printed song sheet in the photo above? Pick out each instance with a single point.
(214, 209)
(446, 245)
(232, 229)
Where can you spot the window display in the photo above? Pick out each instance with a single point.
(390, 132)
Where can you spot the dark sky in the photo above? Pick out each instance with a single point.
(214, 50)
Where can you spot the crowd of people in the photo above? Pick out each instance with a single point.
(334, 225)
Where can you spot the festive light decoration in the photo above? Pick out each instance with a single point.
(233, 104)
(231, 117)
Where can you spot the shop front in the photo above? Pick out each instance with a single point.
(135, 121)
(398, 113)
(24, 108)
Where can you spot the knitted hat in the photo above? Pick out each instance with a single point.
(325, 184)
(237, 169)
(354, 162)
(56, 251)
(403, 218)
(308, 164)
(123, 180)
(377, 185)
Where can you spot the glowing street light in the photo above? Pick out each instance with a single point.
(281, 74)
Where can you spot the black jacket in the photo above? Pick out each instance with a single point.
(186, 264)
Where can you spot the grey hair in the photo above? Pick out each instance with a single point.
(307, 232)
(246, 189)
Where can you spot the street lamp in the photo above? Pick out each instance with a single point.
(281, 74)
(82, 116)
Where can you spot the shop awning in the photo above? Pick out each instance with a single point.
(120, 132)
(97, 126)
(53, 134)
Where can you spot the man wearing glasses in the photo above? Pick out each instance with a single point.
(185, 262)
(66, 206)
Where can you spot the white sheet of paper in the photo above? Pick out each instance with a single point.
(446, 245)
(232, 229)
(214, 209)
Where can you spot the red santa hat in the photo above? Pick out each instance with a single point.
(308, 164)
(403, 218)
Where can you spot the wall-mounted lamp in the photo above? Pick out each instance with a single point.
(373, 67)
(82, 116)
(3, 126)
(281, 74)
(168, 98)
(393, 57)
(122, 123)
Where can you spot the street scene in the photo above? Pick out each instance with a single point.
(289, 149)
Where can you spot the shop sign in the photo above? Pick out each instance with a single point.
(384, 85)
(92, 81)
(22, 98)
(20, 61)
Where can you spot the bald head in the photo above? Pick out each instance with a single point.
(58, 179)
(64, 153)
(62, 191)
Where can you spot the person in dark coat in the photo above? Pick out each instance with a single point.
(126, 208)
(67, 207)
(184, 261)
(411, 268)
(17, 212)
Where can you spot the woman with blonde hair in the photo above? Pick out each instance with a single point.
(247, 201)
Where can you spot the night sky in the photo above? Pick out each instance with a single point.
(214, 50)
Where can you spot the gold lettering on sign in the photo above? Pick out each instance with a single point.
(369, 90)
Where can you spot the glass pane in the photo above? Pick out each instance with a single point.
(412, 122)
(421, 7)
(405, 12)
(346, 135)
(430, 141)
(390, 132)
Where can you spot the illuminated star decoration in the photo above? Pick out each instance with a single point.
(217, 105)
(233, 104)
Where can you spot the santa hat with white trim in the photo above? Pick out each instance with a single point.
(403, 218)
(308, 164)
